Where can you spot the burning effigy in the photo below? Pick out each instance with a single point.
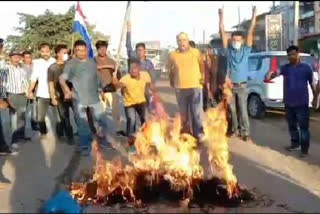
(167, 163)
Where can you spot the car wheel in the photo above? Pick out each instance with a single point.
(256, 107)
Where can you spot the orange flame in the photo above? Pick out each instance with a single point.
(162, 148)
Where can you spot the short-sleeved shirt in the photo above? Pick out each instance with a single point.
(134, 92)
(238, 63)
(105, 73)
(84, 78)
(186, 68)
(295, 84)
(40, 74)
(54, 72)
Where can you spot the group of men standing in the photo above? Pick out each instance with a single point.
(80, 83)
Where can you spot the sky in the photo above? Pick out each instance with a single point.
(151, 20)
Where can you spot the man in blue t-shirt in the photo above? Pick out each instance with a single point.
(237, 60)
(296, 76)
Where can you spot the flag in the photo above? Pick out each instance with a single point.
(79, 25)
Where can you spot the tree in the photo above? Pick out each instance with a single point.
(48, 27)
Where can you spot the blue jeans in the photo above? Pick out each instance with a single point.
(103, 123)
(17, 116)
(131, 112)
(299, 116)
(190, 107)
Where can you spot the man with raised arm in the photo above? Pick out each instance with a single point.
(237, 55)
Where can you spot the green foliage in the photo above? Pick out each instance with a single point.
(48, 27)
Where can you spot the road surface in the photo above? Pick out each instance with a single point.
(284, 182)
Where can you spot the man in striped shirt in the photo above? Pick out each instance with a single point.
(15, 85)
(4, 148)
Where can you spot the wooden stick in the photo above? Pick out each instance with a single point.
(122, 37)
(72, 41)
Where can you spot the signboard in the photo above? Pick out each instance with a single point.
(273, 32)
(154, 45)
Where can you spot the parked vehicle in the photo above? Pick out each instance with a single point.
(263, 94)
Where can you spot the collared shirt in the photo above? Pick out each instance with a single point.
(238, 63)
(186, 68)
(13, 80)
(295, 84)
(40, 73)
(84, 77)
(146, 64)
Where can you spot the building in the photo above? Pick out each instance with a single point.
(309, 24)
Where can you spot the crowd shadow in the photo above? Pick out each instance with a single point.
(36, 166)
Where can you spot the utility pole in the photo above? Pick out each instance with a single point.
(296, 22)
(239, 17)
(204, 36)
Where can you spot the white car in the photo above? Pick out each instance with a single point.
(264, 94)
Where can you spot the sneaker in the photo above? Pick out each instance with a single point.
(15, 146)
(292, 148)
(5, 150)
(246, 138)
(303, 154)
(70, 141)
(121, 134)
(85, 152)
(132, 150)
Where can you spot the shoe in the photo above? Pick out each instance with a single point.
(85, 152)
(303, 154)
(246, 138)
(132, 150)
(292, 148)
(27, 139)
(15, 146)
(5, 150)
(121, 134)
(70, 141)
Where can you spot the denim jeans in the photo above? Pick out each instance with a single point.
(238, 105)
(103, 123)
(2, 137)
(131, 111)
(299, 117)
(17, 116)
(190, 107)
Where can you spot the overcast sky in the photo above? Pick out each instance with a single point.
(158, 20)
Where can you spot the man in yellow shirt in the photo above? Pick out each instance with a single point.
(134, 86)
(186, 73)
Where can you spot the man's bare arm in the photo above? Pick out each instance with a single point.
(66, 90)
(52, 93)
(252, 26)
(223, 34)
(31, 88)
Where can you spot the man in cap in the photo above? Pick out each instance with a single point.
(186, 73)
(4, 148)
(15, 84)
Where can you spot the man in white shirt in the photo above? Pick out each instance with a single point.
(40, 74)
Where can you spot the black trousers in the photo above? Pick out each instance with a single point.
(62, 114)
(131, 116)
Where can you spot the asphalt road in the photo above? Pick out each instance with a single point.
(282, 181)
